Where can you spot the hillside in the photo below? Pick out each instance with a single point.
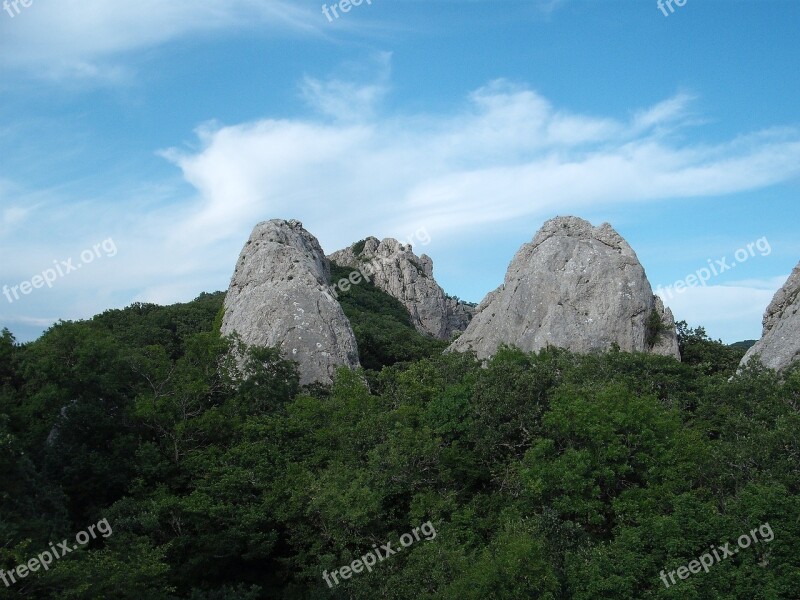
(539, 475)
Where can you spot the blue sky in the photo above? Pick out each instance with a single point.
(172, 128)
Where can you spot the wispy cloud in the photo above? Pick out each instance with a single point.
(11, 217)
(34, 321)
(343, 100)
(666, 112)
(508, 153)
(84, 39)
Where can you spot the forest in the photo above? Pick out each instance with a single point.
(548, 475)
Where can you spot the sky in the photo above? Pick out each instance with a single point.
(142, 141)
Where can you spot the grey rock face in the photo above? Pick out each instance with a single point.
(280, 295)
(459, 315)
(779, 345)
(574, 286)
(402, 274)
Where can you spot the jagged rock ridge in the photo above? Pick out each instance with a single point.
(399, 272)
(280, 295)
(779, 345)
(577, 287)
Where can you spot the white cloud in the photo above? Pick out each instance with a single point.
(345, 100)
(731, 311)
(11, 217)
(34, 321)
(83, 38)
(507, 154)
(664, 112)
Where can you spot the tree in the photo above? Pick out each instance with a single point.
(712, 357)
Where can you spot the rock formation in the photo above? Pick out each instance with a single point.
(779, 345)
(577, 287)
(280, 295)
(409, 278)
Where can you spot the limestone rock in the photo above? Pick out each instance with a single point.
(458, 315)
(399, 272)
(779, 345)
(577, 287)
(280, 295)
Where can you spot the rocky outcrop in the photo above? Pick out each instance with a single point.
(459, 315)
(779, 345)
(577, 287)
(280, 296)
(395, 269)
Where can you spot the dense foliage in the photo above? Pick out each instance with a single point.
(546, 475)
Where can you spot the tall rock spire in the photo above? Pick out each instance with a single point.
(280, 295)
